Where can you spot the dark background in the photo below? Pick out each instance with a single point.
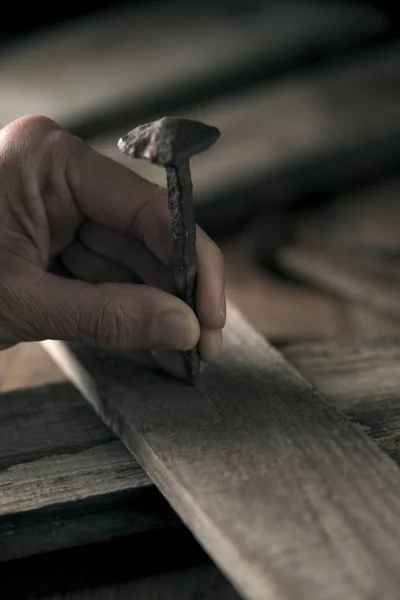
(22, 20)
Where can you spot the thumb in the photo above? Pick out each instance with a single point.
(116, 317)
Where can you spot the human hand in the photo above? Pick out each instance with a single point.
(62, 203)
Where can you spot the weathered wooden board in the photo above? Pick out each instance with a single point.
(361, 378)
(366, 220)
(361, 282)
(277, 307)
(309, 133)
(285, 494)
(134, 60)
(61, 471)
(49, 434)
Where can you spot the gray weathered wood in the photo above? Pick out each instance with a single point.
(361, 282)
(287, 496)
(307, 133)
(61, 471)
(134, 59)
(361, 378)
(365, 220)
(49, 434)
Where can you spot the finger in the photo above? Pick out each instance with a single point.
(93, 268)
(136, 257)
(114, 196)
(117, 317)
(210, 344)
(129, 252)
(210, 294)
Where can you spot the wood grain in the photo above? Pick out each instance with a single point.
(65, 479)
(361, 378)
(126, 61)
(288, 497)
(50, 434)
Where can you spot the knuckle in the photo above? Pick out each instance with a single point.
(36, 123)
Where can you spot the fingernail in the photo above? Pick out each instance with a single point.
(172, 331)
(223, 307)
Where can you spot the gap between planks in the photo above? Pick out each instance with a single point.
(66, 480)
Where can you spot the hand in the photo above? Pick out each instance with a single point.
(85, 254)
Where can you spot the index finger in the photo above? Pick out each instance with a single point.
(116, 197)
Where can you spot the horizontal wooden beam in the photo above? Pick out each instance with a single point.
(366, 283)
(300, 136)
(285, 494)
(93, 485)
(133, 60)
(65, 479)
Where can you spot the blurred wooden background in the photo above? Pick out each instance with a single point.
(301, 193)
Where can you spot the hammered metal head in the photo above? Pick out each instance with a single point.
(168, 141)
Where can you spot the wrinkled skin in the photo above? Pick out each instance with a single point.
(85, 254)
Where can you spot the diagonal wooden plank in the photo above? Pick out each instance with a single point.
(93, 485)
(360, 377)
(126, 59)
(287, 496)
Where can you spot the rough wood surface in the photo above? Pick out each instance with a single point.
(361, 378)
(127, 61)
(308, 133)
(287, 496)
(50, 435)
(65, 479)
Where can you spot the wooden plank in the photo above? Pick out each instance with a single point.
(302, 135)
(360, 282)
(365, 323)
(61, 471)
(276, 307)
(49, 434)
(365, 221)
(255, 453)
(125, 60)
(360, 378)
